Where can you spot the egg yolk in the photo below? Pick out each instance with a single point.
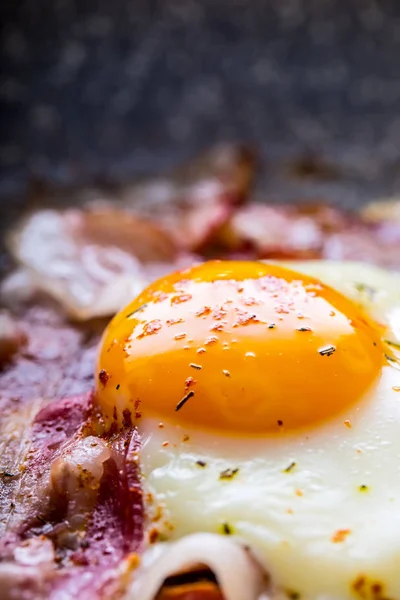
(240, 347)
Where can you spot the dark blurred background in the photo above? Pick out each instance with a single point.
(119, 87)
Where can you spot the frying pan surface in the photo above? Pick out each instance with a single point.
(120, 88)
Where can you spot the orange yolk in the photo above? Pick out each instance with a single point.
(241, 347)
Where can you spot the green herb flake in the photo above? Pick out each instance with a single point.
(290, 468)
(228, 473)
(227, 529)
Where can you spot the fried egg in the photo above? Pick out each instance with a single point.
(268, 399)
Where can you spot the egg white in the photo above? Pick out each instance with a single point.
(320, 508)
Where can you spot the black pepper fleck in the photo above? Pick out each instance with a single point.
(103, 376)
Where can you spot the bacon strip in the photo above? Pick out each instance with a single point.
(88, 535)
(92, 261)
(71, 513)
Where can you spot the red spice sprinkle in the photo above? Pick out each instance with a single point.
(181, 298)
(211, 340)
(340, 535)
(103, 376)
(348, 424)
(218, 327)
(159, 296)
(127, 417)
(249, 301)
(165, 444)
(359, 584)
(218, 314)
(204, 311)
(170, 322)
(189, 381)
(179, 336)
(281, 309)
(185, 438)
(244, 318)
(153, 536)
(150, 328)
(376, 589)
(161, 426)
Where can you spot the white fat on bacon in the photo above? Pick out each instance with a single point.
(11, 336)
(76, 475)
(26, 576)
(35, 551)
(236, 571)
(92, 261)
